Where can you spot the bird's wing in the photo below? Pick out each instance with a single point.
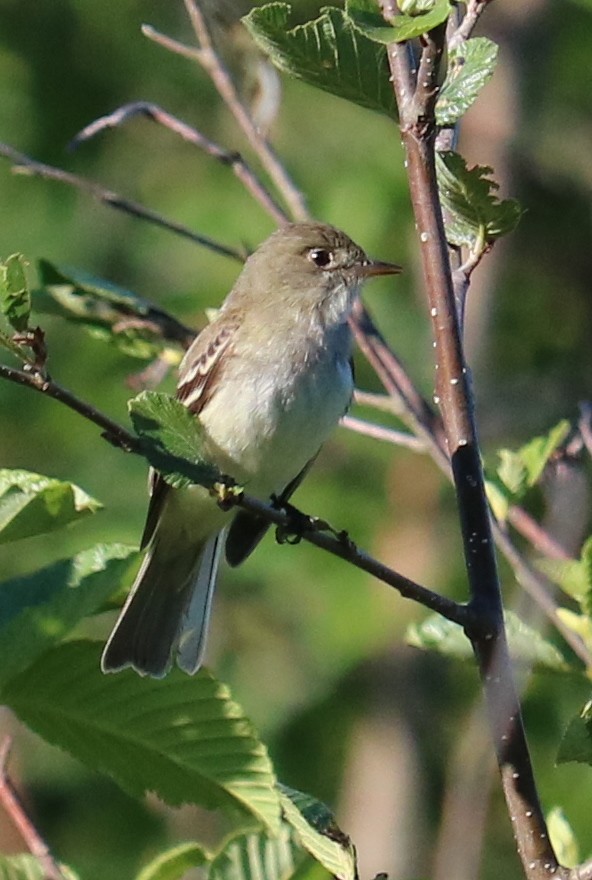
(197, 376)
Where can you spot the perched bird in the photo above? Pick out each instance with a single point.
(268, 379)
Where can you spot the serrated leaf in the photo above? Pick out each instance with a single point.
(28, 867)
(576, 743)
(366, 18)
(470, 67)
(39, 609)
(319, 833)
(527, 646)
(246, 856)
(171, 439)
(183, 738)
(108, 312)
(175, 863)
(33, 504)
(473, 214)
(563, 839)
(328, 53)
(15, 297)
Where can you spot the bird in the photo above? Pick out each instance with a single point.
(269, 379)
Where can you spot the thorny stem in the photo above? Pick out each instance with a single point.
(486, 630)
(14, 809)
(336, 543)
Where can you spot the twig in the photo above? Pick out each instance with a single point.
(337, 544)
(486, 631)
(25, 165)
(474, 10)
(210, 61)
(380, 432)
(16, 812)
(232, 159)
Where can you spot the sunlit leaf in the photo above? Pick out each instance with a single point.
(319, 833)
(15, 297)
(246, 856)
(171, 439)
(527, 646)
(39, 609)
(366, 18)
(28, 867)
(563, 839)
(32, 504)
(108, 312)
(473, 214)
(328, 53)
(182, 737)
(470, 67)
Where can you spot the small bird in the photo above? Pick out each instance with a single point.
(269, 378)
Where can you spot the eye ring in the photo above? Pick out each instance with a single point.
(321, 257)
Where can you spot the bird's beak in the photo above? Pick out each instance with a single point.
(371, 268)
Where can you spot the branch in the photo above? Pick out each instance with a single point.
(474, 10)
(315, 532)
(231, 159)
(25, 165)
(210, 61)
(379, 432)
(486, 630)
(16, 812)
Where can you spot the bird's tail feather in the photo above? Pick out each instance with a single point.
(171, 596)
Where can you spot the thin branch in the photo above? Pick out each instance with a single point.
(315, 532)
(474, 11)
(16, 812)
(210, 61)
(23, 164)
(229, 158)
(380, 432)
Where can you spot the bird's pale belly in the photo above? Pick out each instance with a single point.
(263, 436)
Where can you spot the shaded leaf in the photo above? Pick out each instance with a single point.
(38, 610)
(473, 214)
(171, 439)
(527, 646)
(470, 67)
(366, 18)
(576, 744)
(109, 312)
(574, 576)
(15, 297)
(32, 504)
(328, 53)
(174, 863)
(319, 833)
(28, 867)
(563, 839)
(183, 738)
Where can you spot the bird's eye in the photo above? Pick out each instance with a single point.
(320, 257)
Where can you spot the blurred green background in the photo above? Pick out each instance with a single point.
(313, 650)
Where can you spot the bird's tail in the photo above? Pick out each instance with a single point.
(167, 611)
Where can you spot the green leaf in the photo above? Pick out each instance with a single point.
(329, 53)
(574, 576)
(576, 744)
(563, 839)
(183, 738)
(527, 646)
(32, 504)
(537, 452)
(108, 312)
(28, 867)
(366, 18)
(470, 67)
(319, 833)
(171, 439)
(247, 856)
(175, 863)
(38, 610)
(473, 214)
(15, 298)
